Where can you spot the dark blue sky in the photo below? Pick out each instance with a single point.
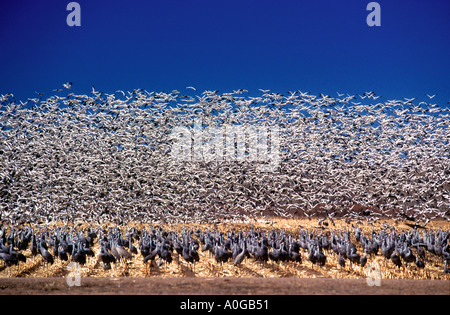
(317, 46)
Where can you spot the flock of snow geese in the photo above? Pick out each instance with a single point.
(106, 158)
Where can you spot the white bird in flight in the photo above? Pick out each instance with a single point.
(68, 85)
(191, 87)
(431, 96)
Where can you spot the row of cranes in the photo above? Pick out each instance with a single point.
(159, 246)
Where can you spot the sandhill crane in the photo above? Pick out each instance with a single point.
(48, 258)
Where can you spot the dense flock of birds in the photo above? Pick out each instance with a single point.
(106, 157)
(158, 246)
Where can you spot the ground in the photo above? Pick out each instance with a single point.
(220, 286)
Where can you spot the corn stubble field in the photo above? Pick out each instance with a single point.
(208, 267)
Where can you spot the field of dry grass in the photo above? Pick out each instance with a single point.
(207, 267)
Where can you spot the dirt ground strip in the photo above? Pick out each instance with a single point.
(220, 286)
